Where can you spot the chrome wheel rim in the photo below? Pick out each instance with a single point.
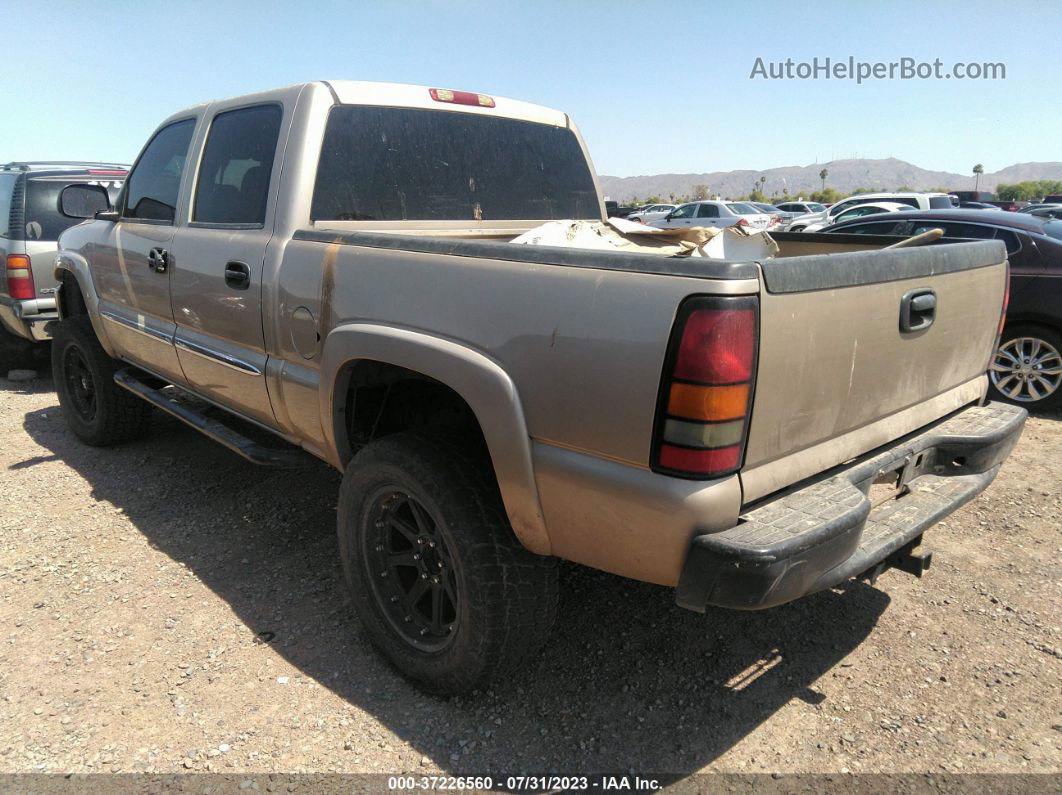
(1027, 369)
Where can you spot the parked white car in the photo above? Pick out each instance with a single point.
(911, 201)
(714, 213)
(651, 213)
(858, 211)
(802, 208)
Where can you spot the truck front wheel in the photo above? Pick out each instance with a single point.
(442, 586)
(98, 411)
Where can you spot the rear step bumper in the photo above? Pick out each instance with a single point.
(234, 440)
(829, 531)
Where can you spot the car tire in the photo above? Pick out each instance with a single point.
(441, 584)
(1027, 367)
(97, 410)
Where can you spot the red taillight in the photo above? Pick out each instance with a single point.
(717, 346)
(20, 277)
(461, 97)
(706, 390)
(742, 222)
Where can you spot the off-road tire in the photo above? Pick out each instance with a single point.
(80, 364)
(507, 595)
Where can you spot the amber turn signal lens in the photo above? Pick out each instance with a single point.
(708, 402)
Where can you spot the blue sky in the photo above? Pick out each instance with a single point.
(655, 86)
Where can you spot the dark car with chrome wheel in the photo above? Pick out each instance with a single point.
(1027, 366)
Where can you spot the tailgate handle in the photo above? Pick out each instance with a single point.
(918, 308)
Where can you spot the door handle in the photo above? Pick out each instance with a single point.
(237, 275)
(918, 309)
(158, 260)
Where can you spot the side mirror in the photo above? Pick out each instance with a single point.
(83, 201)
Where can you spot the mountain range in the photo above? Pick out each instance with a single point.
(844, 175)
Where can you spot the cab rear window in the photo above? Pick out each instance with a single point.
(406, 164)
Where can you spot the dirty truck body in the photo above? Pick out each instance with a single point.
(306, 260)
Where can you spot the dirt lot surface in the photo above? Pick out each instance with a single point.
(168, 607)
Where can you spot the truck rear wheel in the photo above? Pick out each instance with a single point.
(98, 411)
(439, 581)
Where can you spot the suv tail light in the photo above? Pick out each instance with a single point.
(706, 391)
(20, 277)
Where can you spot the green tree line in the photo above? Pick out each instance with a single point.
(1030, 190)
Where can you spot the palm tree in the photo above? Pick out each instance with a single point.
(978, 170)
(822, 175)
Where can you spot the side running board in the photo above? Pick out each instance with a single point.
(219, 432)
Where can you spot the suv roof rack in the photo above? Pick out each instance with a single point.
(57, 165)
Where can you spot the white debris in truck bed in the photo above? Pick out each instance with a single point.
(618, 234)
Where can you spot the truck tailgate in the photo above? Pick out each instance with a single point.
(837, 377)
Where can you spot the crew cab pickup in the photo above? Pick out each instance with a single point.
(331, 263)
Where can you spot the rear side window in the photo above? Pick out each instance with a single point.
(233, 184)
(7, 185)
(940, 203)
(1010, 239)
(405, 164)
(156, 178)
(708, 211)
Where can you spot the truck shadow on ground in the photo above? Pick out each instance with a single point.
(628, 682)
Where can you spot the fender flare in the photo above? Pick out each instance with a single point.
(78, 267)
(479, 380)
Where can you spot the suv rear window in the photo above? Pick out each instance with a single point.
(940, 203)
(43, 219)
(406, 164)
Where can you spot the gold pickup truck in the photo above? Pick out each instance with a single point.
(330, 264)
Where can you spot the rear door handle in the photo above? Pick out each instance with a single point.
(237, 275)
(918, 309)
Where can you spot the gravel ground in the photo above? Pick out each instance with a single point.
(168, 607)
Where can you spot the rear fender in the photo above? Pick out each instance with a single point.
(479, 380)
